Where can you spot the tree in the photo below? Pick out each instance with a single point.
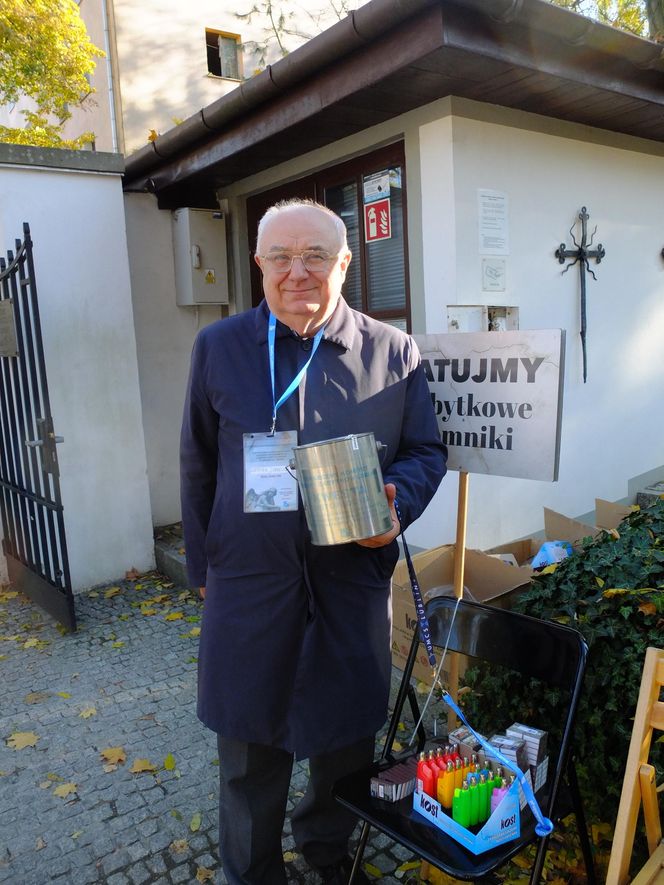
(46, 56)
(642, 17)
(288, 22)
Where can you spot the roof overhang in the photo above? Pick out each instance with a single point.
(392, 56)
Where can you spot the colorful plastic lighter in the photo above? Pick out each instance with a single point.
(461, 806)
(484, 790)
(425, 779)
(474, 801)
(458, 773)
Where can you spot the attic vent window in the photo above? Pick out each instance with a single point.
(223, 54)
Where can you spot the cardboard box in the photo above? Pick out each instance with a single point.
(561, 528)
(504, 825)
(487, 580)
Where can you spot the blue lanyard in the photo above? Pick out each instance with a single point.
(295, 383)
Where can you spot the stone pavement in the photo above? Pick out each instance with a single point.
(125, 683)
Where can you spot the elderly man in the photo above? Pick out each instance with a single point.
(295, 643)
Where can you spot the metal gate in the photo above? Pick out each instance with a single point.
(30, 501)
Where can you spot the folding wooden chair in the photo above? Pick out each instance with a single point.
(639, 789)
(550, 653)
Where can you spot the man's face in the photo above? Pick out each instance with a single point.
(300, 298)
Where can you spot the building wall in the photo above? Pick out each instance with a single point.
(162, 58)
(612, 426)
(77, 224)
(165, 334)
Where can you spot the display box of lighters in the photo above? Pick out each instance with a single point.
(503, 824)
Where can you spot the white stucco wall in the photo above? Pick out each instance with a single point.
(77, 225)
(613, 425)
(165, 335)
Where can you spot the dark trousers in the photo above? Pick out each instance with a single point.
(253, 793)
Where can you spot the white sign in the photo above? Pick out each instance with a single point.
(498, 399)
(376, 186)
(494, 231)
(493, 274)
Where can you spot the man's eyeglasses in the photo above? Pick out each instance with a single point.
(313, 259)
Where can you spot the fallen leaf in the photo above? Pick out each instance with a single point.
(8, 594)
(93, 594)
(88, 712)
(290, 856)
(113, 756)
(22, 739)
(31, 643)
(77, 834)
(195, 822)
(63, 694)
(111, 592)
(36, 697)
(648, 608)
(181, 551)
(179, 846)
(64, 790)
(176, 814)
(141, 765)
(117, 645)
(132, 574)
(373, 871)
(40, 843)
(192, 634)
(169, 762)
(3, 657)
(174, 616)
(204, 875)
(409, 865)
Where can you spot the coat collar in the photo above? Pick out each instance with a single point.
(340, 328)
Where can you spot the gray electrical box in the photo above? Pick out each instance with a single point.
(199, 248)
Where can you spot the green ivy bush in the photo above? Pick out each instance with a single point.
(612, 591)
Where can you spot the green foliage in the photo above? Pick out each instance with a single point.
(612, 591)
(642, 17)
(46, 56)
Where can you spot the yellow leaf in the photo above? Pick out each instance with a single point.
(113, 755)
(152, 135)
(88, 712)
(601, 832)
(31, 643)
(615, 591)
(36, 697)
(64, 790)
(141, 765)
(19, 740)
(148, 611)
(550, 569)
(195, 822)
(117, 644)
(373, 871)
(112, 591)
(192, 634)
(8, 594)
(204, 875)
(522, 862)
(174, 616)
(648, 608)
(169, 762)
(63, 694)
(397, 747)
(179, 846)
(599, 581)
(409, 865)
(290, 856)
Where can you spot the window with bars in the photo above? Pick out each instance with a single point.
(223, 54)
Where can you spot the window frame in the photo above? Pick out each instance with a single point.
(313, 186)
(228, 35)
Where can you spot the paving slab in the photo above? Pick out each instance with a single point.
(106, 774)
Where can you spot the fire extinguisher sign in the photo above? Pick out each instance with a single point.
(377, 221)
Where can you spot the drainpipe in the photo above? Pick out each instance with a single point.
(109, 75)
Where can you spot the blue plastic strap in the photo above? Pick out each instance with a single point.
(425, 632)
(544, 826)
(271, 336)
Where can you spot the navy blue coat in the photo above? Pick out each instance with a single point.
(295, 639)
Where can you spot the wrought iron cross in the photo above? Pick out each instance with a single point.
(581, 255)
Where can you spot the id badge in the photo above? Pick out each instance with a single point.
(268, 485)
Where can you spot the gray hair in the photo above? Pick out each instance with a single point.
(299, 203)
